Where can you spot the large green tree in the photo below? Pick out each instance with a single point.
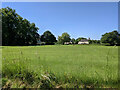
(73, 41)
(48, 38)
(111, 38)
(16, 30)
(94, 41)
(64, 38)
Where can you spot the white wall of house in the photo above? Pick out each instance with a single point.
(68, 43)
(85, 42)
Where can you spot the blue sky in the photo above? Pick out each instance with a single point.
(80, 19)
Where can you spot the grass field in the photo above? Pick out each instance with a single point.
(60, 66)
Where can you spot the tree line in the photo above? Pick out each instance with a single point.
(16, 30)
(19, 31)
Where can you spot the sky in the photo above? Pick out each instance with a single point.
(79, 19)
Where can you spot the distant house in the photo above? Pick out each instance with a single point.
(83, 41)
(67, 43)
(39, 42)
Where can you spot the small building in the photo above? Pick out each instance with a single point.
(83, 41)
(39, 42)
(67, 43)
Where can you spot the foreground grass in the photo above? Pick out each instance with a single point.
(60, 66)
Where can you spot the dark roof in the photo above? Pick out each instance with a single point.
(83, 40)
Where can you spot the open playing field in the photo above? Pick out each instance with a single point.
(68, 65)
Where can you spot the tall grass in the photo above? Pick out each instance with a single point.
(61, 66)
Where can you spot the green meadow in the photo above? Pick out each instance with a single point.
(60, 66)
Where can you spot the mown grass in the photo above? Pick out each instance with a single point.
(58, 66)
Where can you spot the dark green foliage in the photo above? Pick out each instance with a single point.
(64, 38)
(73, 41)
(111, 38)
(94, 41)
(16, 30)
(48, 38)
(4, 80)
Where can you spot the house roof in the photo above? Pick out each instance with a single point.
(83, 40)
